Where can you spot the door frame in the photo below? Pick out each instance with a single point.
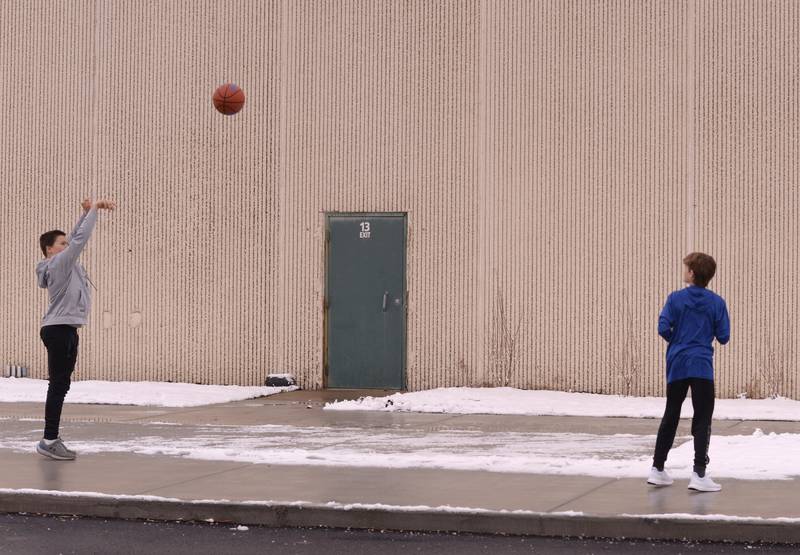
(327, 254)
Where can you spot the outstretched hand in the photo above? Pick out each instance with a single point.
(105, 205)
(86, 204)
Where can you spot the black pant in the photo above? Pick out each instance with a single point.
(62, 352)
(703, 404)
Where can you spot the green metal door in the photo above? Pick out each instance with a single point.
(365, 297)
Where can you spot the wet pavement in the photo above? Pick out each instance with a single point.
(285, 449)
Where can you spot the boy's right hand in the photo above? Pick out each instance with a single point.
(105, 205)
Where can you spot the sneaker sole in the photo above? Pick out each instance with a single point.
(52, 456)
(660, 484)
(702, 490)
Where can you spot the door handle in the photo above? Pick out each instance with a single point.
(385, 300)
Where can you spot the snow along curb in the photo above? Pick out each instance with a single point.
(527, 402)
(416, 518)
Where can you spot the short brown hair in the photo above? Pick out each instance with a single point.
(703, 267)
(49, 239)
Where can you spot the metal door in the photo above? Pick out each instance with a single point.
(365, 301)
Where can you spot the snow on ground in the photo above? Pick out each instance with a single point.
(160, 394)
(507, 400)
(758, 456)
(714, 517)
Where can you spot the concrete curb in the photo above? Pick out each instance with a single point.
(388, 518)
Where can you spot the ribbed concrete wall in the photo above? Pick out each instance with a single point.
(114, 99)
(748, 174)
(379, 116)
(556, 161)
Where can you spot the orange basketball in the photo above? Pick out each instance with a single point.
(228, 99)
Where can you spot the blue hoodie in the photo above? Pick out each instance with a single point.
(689, 322)
(66, 280)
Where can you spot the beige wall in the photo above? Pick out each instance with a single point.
(556, 161)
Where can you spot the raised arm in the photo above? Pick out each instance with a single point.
(66, 258)
(86, 204)
(77, 242)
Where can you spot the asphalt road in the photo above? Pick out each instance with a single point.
(34, 534)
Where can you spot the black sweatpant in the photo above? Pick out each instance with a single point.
(62, 352)
(703, 404)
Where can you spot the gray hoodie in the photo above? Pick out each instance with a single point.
(66, 280)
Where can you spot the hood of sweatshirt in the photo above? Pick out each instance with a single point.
(41, 272)
(699, 298)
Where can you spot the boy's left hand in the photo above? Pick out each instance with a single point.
(86, 204)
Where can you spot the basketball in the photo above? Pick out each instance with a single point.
(228, 99)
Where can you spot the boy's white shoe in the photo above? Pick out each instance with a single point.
(703, 484)
(659, 478)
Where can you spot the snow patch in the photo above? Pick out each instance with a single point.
(758, 456)
(714, 517)
(512, 401)
(160, 394)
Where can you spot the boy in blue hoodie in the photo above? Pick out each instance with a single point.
(70, 299)
(690, 321)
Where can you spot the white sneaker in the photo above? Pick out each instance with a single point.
(703, 484)
(659, 478)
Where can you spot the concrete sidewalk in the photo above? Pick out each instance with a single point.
(171, 487)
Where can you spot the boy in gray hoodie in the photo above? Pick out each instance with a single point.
(70, 299)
